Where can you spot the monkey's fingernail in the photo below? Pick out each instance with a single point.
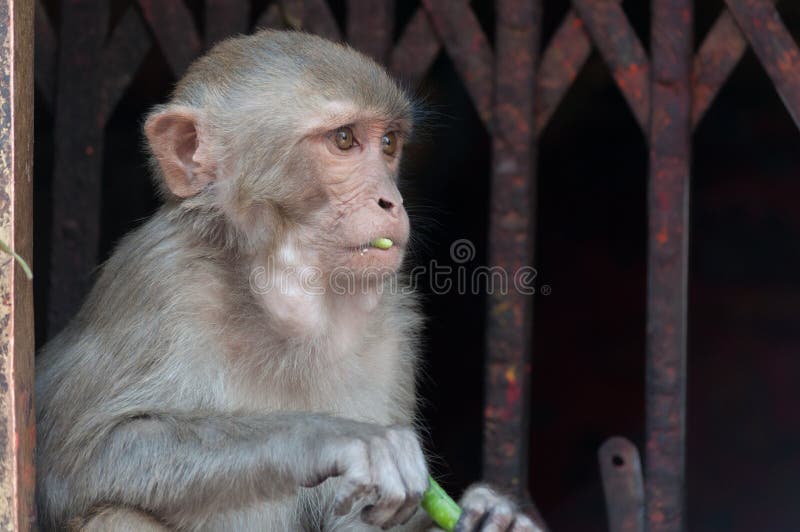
(381, 243)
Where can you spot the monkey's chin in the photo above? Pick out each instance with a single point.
(373, 262)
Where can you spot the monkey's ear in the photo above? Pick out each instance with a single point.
(181, 146)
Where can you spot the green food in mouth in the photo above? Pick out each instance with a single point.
(381, 243)
(443, 510)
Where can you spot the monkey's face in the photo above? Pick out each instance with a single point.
(360, 222)
(293, 151)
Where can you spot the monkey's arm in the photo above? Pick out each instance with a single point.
(180, 467)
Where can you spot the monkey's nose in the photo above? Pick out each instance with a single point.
(388, 206)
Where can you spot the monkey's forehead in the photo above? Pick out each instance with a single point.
(337, 113)
(291, 70)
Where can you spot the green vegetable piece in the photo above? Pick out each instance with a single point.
(25, 268)
(443, 510)
(381, 243)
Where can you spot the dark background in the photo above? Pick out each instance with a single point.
(743, 433)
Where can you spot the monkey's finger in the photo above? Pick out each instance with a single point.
(471, 520)
(410, 460)
(413, 472)
(477, 502)
(319, 475)
(498, 519)
(391, 490)
(357, 482)
(350, 493)
(522, 523)
(410, 506)
(405, 513)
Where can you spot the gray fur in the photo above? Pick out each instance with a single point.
(180, 398)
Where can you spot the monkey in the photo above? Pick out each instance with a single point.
(239, 363)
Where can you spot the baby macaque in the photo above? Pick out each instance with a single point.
(240, 363)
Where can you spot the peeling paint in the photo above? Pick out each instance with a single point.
(17, 428)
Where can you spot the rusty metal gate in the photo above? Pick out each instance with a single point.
(82, 70)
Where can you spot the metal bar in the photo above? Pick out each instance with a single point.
(721, 51)
(511, 230)
(293, 13)
(173, 26)
(620, 47)
(314, 16)
(17, 415)
(78, 158)
(122, 55)
(45, 50)
(621, 471)
(468, 48)
(224, 18)
(416, 49)
(370, 26)
(318, 18)
(562, 59)
(272, 17)
(670, 142)
(774, 46)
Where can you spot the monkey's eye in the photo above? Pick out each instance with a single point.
(344, 138)
(389, 143)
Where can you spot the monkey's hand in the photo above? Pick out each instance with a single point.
(487, 511)
(381, 467)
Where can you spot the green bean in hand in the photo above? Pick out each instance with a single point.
(443, 510)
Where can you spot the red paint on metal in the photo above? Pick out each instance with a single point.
(774, 46)
(670, 140)
(370, 26)
(620, 47)
(416, 49)
(511, 230)
(468, 48)
(719, 54)
(513, 389)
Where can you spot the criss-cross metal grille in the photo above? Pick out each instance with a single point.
(83, 70)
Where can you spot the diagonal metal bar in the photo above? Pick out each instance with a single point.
(369, 27)
(78, 158)
(467, 46)
(416, 49)
(620, 47)
(318, 18)
(272, 17)
(122, 55)
(224, 18)
(774, 47)
(667, 263)
(621, 471)
(45, 54)
(563, 58)
(174, 29)
(721, 51)
(314, 16)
